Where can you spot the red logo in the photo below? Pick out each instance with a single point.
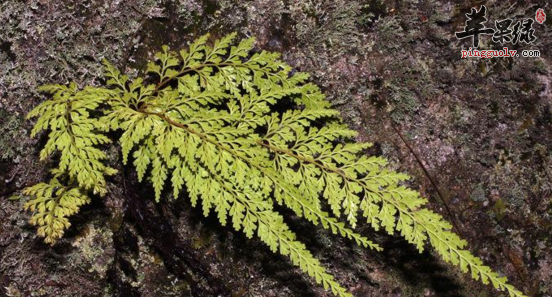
(540, 16)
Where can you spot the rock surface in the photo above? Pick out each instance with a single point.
(476, 135)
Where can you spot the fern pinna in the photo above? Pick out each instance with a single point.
(205, 119)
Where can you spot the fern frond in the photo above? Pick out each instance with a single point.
(241, 134)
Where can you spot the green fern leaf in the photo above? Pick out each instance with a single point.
(210, 125)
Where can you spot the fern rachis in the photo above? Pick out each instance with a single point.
(209, 125)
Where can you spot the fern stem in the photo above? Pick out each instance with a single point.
(69, 122)
(345, 232)
(267, 144)
(164, 82)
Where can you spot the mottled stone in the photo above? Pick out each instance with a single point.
(476, 135)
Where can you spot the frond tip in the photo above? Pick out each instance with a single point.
(208, 123)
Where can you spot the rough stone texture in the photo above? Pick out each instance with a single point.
(476, 135)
